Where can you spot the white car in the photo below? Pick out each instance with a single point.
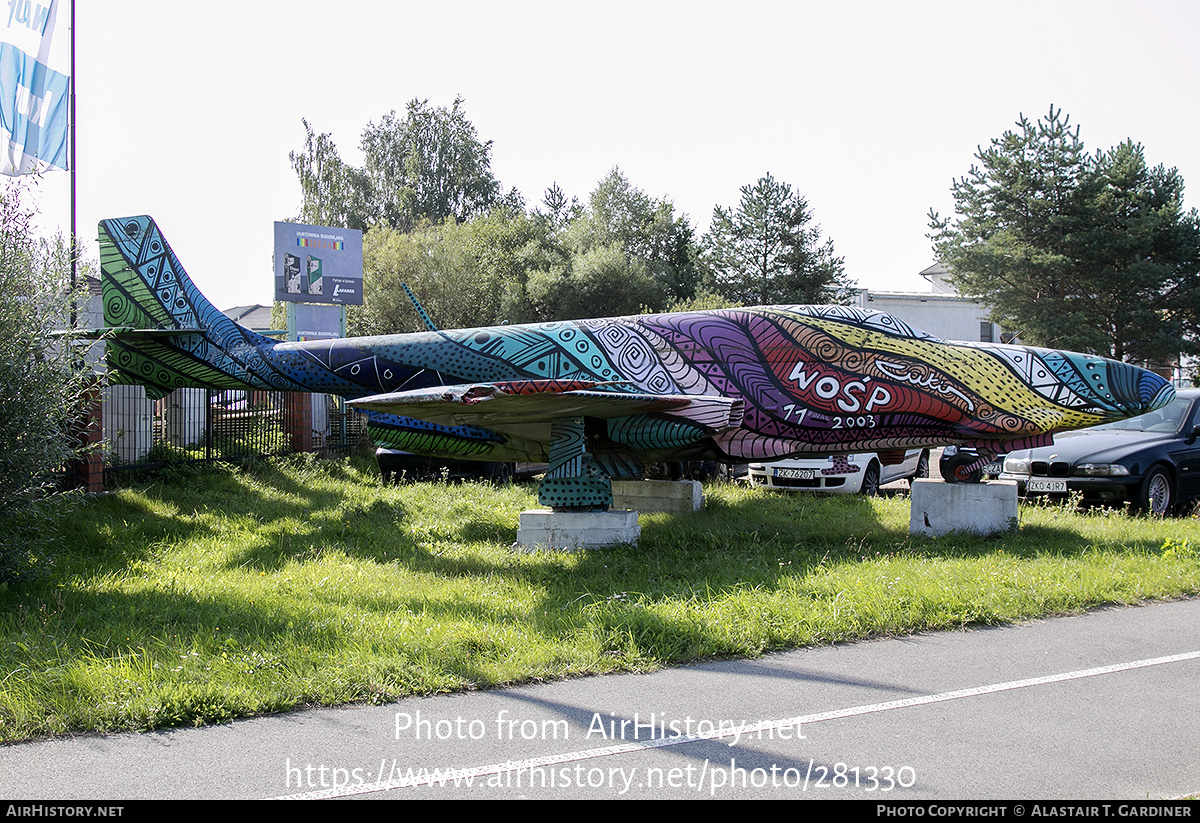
(841, 474)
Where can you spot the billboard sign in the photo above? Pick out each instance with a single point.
(317, 322)
(318, 264)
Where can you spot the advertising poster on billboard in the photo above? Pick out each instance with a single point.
(318, 264)
(318, 322)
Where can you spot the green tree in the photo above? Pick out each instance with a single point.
(559, 211)
(704, 300)
(507, 247)
(433, 260)
(430, 164)
(1143, 254)
(648, 233)
(427, 164)
(621, 254)
(1091, 253)
(598, 282)
(42, 378)
(331, 191)
(767, 252)
(465, 274)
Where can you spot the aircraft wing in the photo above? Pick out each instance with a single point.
(498, 405)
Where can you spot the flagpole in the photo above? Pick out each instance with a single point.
(71, 135)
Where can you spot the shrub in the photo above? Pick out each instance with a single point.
(42, 376)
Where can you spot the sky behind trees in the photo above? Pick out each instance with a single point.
(867, 109)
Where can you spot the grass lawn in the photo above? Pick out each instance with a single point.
(300, 582)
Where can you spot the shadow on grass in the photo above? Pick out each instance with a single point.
(272, 518)
(443, 602)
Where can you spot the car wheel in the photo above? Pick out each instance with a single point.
(956, 469)
(870, 483)
(922, 468)
(502, 473)
(1157, 494)
(664, 471)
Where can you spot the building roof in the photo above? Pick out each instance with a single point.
(256, 317)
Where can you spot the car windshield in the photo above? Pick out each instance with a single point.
(1167, 419)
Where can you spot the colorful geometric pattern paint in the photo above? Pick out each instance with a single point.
(752, 383)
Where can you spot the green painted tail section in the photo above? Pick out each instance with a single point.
(145, 287)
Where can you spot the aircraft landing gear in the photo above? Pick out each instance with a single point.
(965, 467)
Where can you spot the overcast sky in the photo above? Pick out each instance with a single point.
(868, 109)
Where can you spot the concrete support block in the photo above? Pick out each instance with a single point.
(571, 531)
(978, 508)
(658, 495)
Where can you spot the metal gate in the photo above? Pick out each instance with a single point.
(201, 425)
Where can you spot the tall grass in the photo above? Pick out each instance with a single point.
(300, 582)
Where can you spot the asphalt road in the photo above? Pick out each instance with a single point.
(1103, 705)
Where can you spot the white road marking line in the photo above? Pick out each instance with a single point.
(454, 777)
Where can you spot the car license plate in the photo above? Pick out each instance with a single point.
(795, 474)
(993, 468)
(1047, 485)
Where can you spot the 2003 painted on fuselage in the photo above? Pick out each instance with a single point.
(753, 383)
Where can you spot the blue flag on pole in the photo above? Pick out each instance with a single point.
(34, 86)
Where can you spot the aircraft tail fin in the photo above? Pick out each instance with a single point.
(171, 335)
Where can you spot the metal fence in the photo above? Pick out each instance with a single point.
(200, 425)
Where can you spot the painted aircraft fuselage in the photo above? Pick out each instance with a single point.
(734, 384)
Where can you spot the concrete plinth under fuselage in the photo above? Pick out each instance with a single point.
(571, 531)
(658, 495)
(978, 508)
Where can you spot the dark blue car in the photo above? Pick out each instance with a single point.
(1151, 462)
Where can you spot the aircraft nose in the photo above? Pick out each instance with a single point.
(1130, 390)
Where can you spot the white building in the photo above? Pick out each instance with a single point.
(941, 311)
